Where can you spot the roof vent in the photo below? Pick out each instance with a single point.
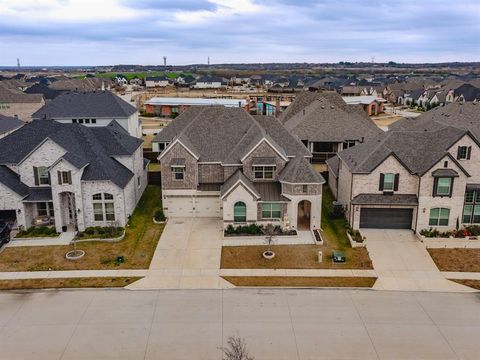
(332, 107)
(323, 107)
(304, 112)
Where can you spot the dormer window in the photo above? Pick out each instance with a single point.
(464, 152)
(263, 172)
(41, 175)
(444, 187)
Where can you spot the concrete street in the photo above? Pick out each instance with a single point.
(276, 324)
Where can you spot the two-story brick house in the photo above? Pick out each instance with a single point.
(223, 162)
(78, 176)
(420, 175)
(92, 109)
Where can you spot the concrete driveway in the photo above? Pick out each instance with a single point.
(187, 256)
(402, 263)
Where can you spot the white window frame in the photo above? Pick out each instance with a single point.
(103, 207)
(263, 171)
(385, 182)
(176, 170)
(443, 214)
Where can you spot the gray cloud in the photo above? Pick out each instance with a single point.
(310, 30)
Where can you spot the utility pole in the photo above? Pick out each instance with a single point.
(208, 61)
(164, 61)
(18, 63)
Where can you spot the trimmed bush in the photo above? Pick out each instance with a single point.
(38, 231)
(99, 232)
(159, 215)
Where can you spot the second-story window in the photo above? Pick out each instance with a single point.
(464, 152)
(443, 186)
(178, 173)
(389, 182)
(64, 177)
(263, 172)
(41, 175)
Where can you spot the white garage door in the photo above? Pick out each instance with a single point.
(207, 207)
(179, 206)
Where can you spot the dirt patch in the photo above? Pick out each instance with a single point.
(100, 282)
(465, 260)
(475, 284)
(301, 281)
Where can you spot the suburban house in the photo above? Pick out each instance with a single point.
(156, 81)
(422, 174)
(171, 107)
(210, 82)
(326, 124)
(372, 105)
(92, 109)
(224, 163)
(9, 125)
(73, 175)
(16, 103)
(466, 93)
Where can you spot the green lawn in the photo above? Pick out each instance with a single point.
(141, 75)
(137, 248)
(335, 230)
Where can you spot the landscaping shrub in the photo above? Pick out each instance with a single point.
(254, 229)
(474, 230)
(355, 234)
(99, 232)
(159, 215)
(38, 231)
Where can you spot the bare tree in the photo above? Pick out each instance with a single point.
(236, 349)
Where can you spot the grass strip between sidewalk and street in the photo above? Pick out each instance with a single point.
(464, 260)
(301, 281)
(64, 283)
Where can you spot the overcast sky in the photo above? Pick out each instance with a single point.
(107, 32)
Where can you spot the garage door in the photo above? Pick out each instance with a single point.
(179, 206)
(207, 207)
(379, 218)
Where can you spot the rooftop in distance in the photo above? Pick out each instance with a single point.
(160, 101)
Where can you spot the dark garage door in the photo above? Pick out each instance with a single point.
(378, 218)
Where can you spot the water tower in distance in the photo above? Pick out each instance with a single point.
(164, 61)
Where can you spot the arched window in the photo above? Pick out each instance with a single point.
(240, 212)
(439, 217)
(103, 207)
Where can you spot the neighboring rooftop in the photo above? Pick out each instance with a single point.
(17, 96)
(8, 124)
(161, 101)
(96, 104)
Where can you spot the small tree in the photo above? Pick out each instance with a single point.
(269, 232)
(236, 349)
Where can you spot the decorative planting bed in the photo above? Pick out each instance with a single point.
(37, 232)
(255, 230)
(356, 239)
(99, 233)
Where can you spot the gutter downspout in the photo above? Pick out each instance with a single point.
(350, 201)
(418, 206)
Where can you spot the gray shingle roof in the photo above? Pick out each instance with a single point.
(11, 180)
(221, 134)
(333, 165)
(16, 96)
(8, 124)
(299, 171)
(380, 199)
(232, 180)
(445, 172)
(417, 150)
(36, 194)
(263, 161)
(95, 104)
(322, 120)
(92, 146)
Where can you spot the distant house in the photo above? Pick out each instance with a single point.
(136, 81)
(210, 82)
(467, 93)
(43, 89)
(17, 103)
(93, 109)
(326, 124)
(372, 105)
(9, 125)
(351, 90)
(184, 80)
(171, 107)
(87, 84)
(156, 81)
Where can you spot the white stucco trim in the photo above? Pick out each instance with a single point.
(270, 144)
(239, 182)
(176, 141)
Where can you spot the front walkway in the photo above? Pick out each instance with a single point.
(65, 238)
(402, 263)
(187, 256)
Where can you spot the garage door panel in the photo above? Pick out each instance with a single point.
(386, 218)
(207, 207)
(179, 207)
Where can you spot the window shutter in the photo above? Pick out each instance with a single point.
(451, 188)
(435, 183)
(397, 179)
(469, 152)
(35, 175)
(458, 152)
(380, 185)
(59, 178)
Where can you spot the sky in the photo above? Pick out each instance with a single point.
(109, 32)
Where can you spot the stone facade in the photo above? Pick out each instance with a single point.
(177, 151)
(263, 150)
(210, 173)
(298, 189)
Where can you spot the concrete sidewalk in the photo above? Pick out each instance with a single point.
(17, 275)
(461, 275)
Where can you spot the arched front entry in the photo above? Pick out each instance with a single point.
(68, 210)
(303, 215)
